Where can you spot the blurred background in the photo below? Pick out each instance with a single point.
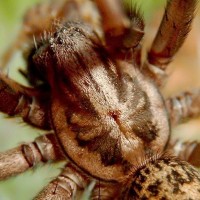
(184, 74)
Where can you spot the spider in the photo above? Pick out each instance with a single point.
(100, 104)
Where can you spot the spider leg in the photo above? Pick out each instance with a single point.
(184, 106)
(31, 104)
(71, 183)
(17, 160)
(123, 29)
(105, 191)
(188, 151)
(67, 185)
(175, 26)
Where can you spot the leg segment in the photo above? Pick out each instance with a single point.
(188, 151)
(183, 106)
(175, 25)
(31, 105)
(44, 148)
(105, 191)
(123, 31)
(110, 11)
(71, 183)
(66, 186)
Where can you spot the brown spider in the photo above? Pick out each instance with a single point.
(101, 105)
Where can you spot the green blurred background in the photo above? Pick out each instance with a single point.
(13, 131)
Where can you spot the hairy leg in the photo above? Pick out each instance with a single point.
(184, 106)
(123, 29)
(175, 26)
(31, 104)
(17, 160)
(188, 151)
(67, 186)
(181, 108)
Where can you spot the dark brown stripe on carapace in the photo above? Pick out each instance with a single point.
(104, 144)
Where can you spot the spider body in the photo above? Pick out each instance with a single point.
(123, 113)
(108, 117)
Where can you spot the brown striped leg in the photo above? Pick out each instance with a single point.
(175, 25)
(184, 106)
(32, 105)
(123, 30)
(188, 151)
(17, 160)
(67, 186)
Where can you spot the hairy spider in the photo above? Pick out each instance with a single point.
(101, 104)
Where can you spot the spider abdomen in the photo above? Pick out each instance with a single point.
(179, 180)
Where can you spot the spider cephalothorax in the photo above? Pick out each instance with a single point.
(103, 104)
(103, 90)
